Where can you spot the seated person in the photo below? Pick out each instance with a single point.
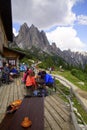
(25, 75)
(48, 79)
(6, 77)
(39, 79)
(30, 82)
(14, 71)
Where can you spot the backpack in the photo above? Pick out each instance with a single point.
(24, 77)
(40, 92)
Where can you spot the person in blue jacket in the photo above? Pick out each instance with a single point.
(48, 79)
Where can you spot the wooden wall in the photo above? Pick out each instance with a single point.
(11, 56)
(3, 39)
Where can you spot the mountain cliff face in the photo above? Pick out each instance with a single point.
(31, 36)
(75, 58)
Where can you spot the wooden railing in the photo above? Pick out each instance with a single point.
(73, 115)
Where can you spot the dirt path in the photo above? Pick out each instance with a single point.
(80, 94)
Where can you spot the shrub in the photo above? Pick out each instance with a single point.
(79, 74)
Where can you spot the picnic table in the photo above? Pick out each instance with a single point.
(32, 107)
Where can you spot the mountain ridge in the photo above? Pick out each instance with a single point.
(31, 36)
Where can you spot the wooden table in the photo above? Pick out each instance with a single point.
(32, 107)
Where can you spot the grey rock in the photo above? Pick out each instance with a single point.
(31, 36)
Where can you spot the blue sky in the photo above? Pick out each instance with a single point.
(80, 9)
(65, 21)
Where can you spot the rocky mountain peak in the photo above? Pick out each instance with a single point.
(31, 36)
(32, 27)
(33, 30)
(23, 28)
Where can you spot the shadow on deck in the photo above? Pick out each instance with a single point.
(56, 112)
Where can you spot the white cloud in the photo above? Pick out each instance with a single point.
(15, 32)
(82, 19)
(43, 14)
(66, 38)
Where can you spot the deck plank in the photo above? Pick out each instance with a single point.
(64, 114)
(5, 99)
(46, 125)
(52, 122)
(59, 116)
(56, 112)
(11, 95)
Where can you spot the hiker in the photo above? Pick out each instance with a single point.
(50, 70)
(6, 77)
(23, 67)
(25, 75)
(14, 72)
(40, 79)
(48, 79)
(30, 82)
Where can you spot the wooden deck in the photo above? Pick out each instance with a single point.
(57, 113)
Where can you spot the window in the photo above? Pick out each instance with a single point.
(12, 61)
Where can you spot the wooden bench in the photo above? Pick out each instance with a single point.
(32, 107)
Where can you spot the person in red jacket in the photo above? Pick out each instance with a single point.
(30, 82)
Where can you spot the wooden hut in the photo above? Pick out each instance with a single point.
(6, 35)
